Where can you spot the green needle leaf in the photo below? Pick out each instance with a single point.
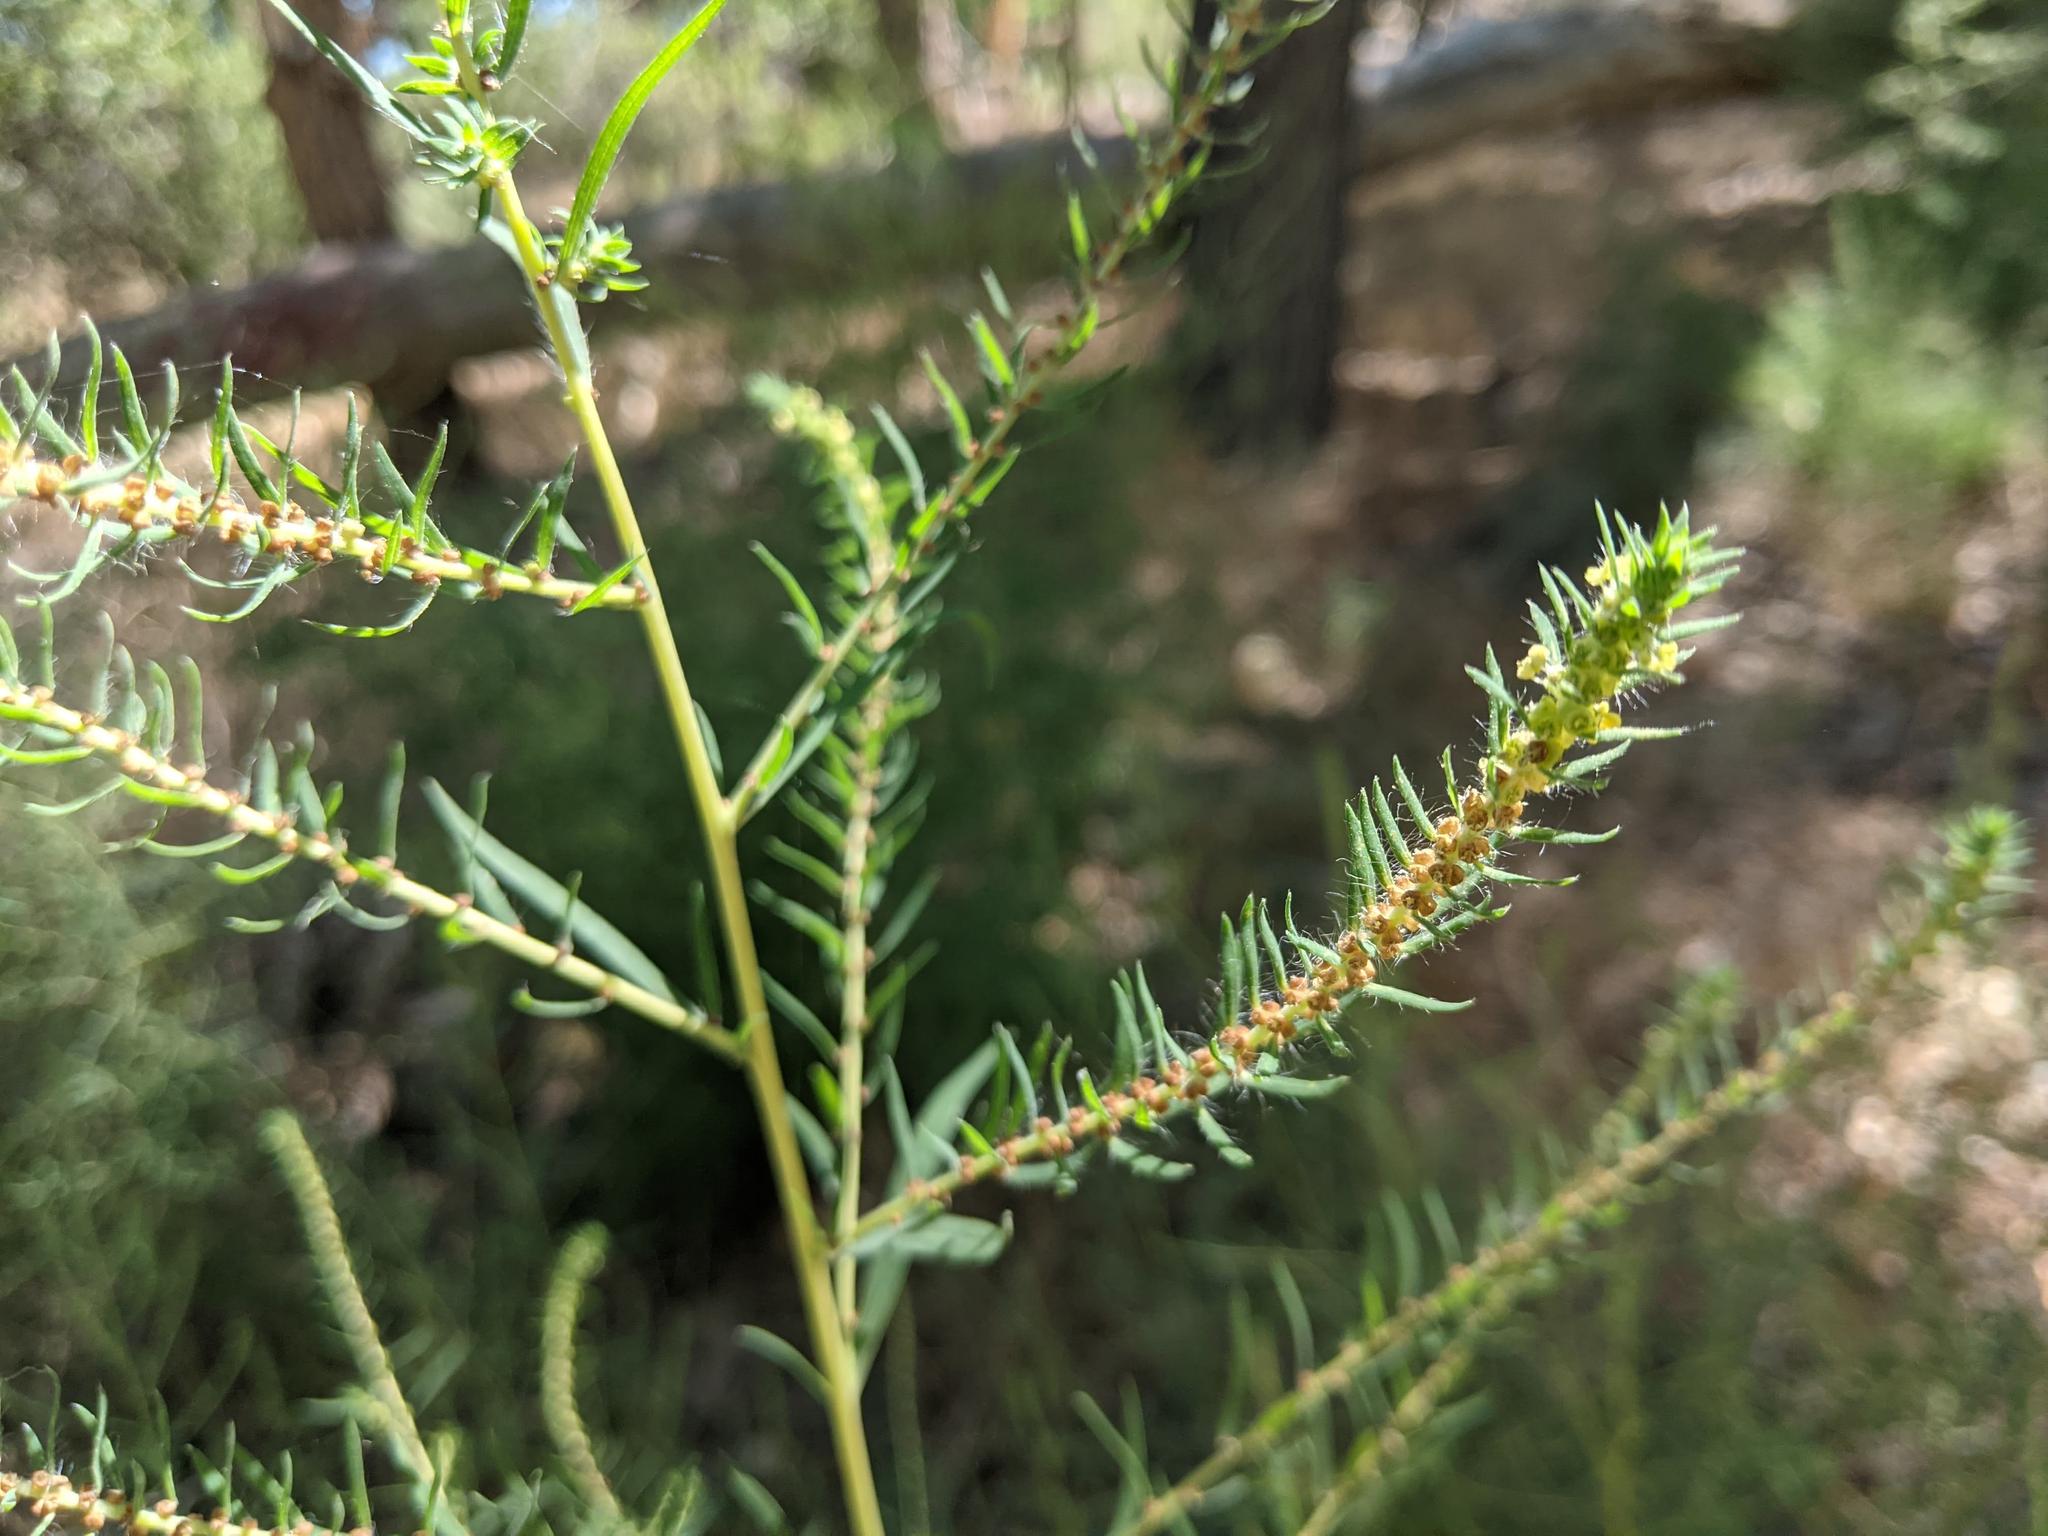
(515, 35)
(1401, 997)
(940, 1238)
(611, 139)
(373, 89)
(596, 594)
(799, 600)
(595, 937)
(778, 1351)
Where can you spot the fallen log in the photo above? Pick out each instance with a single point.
(398, 319)
(1578, 65)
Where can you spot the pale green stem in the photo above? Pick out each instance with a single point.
(853, 1027)
(1507, 1267)
(581, 1258)
(581, 398)
(1391, 1443)
(329, 1248)
(719, 820)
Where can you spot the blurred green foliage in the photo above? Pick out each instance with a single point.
(792, 86)
(1912, 370)
(136, 129)
(134, 1193)
(1764, 1347)
(1959, 119)
(1869, 379)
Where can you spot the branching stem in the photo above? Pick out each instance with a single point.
(804, 701)
(580, 395)
(190, 789)
(719, 819)
(1390, 1444)
(286, 529)
(829, 1298)
(1498, 1276)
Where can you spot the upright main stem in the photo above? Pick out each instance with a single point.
(831, 1318)
(719, 819)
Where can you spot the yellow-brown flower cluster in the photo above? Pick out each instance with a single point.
(56, 1501)
(1623, 636)
(802, 412)
(1618, 637)
(288, 531)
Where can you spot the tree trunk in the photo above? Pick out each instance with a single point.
(904, 28)
(1259, 339)
(900, 25)
(326, 127)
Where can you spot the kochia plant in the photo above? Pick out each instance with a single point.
(1429, 852)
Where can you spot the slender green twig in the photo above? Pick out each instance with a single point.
(1984, 852)
(862, 564)
(581, 1257)
(832, 659)
(718, 822)
(865, 738)
(329, 1248)
(1167, 167)
(1390, 1443)
(187, 789)
(286, 528)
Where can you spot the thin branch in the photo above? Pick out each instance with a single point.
(1166, 171)
(1442, 871)
(329, 1249)
(1390, 1443)
(866, 735)
(1501, 1274)
(581, 1257)
(804, 702)
(289, 530)
(329, 851)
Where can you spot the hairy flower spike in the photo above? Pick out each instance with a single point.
(1419, 884)
(1978, 875)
